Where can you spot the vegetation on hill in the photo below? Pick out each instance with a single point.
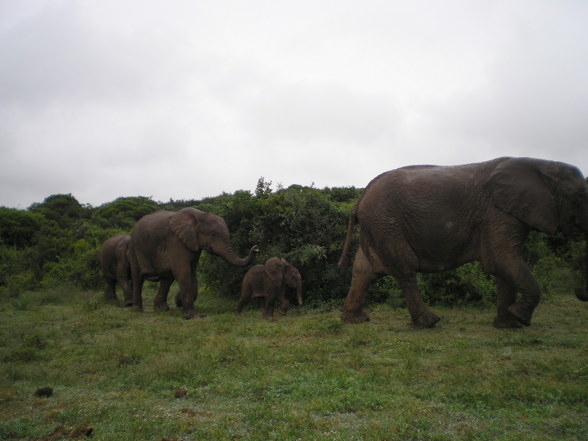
(56, 242)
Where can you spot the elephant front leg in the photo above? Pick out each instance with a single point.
(124, 280)
(362, 276)
(188, 294)
(284, 304)
(420, 314)
(268, 308)
(160, 301)
(520, 278)
(505, 297)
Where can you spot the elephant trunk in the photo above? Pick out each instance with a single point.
(582, 293)
(228, 254)
(299, 292)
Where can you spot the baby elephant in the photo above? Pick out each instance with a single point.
(116, 269)
(270, 281)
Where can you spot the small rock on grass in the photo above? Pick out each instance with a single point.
(44, 392)
(61, 432)
(180, 393)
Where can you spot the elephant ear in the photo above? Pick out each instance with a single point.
(523, 188)
(184, 224)
(274, 270)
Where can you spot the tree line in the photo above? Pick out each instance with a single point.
(56, 243)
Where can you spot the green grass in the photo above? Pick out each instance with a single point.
(306, 376)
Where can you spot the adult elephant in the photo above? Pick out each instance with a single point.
(116, 268)
(166, 245)
(271, 281)
(431, 218)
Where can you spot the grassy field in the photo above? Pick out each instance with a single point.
(306, 376)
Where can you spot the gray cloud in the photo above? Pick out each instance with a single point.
(189, 99)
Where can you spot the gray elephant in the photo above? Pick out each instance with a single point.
(271, 281)
(116, 268)
(166, 246)
(431, 218)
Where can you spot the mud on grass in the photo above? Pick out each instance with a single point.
(305, 376)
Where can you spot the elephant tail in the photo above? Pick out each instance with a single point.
(350, 226)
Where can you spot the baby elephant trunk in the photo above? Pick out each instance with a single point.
(299, 293)
(582, 293)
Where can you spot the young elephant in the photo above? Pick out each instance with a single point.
(270, 281)
(166, 246)
(116, 268)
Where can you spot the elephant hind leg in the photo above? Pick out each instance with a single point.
(362, 276)
(246, 293)
(138, 293)
(110, 290)
(420, 314)
(188, 292)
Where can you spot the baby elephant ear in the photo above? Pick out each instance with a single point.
(274, 269)
(522, 188)
(184, 224)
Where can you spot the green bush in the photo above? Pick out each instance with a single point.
(81, 268)
(465, 284)
(57, 242)
(304, 225)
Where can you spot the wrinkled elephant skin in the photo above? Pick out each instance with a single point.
(166, 246)
(271, 281)
(425, 219)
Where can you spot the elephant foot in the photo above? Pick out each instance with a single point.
(426, 319)
(189, 314)
(161, 307)
(128, 303)
(506, 323)
(522, 314)
(582, 294)
(355, 317)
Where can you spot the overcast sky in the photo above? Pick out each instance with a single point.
(185, 99)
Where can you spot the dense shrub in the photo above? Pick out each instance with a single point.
(123, 212)
(304, 225)
(18, 227)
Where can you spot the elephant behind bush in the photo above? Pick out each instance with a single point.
(116, 267)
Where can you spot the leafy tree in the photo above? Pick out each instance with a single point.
(18, 227)
(123, 212)
(63, 209)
